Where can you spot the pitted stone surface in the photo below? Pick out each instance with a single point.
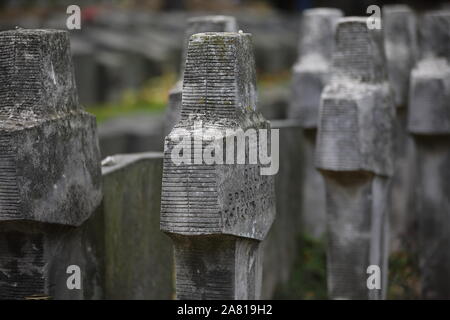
(219, 90)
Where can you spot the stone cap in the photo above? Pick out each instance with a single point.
(359, 51)
(212, 23)
(317, 32)
(435, 35)
(219, 80)
(36, 77)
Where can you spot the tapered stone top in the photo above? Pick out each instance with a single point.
(317, 32)
(357, 111)
(359, 52)
(401, 47)
(49, 156)
(435, 35)
(220, 79)
(195, 25)
(429, 101)
(36, 77)
(219, 94)
(207, 24)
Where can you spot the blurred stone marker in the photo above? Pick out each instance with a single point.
(194, 25)
(401, 47)
(86, 71)
(354, 155)
(217, 213)
(429, 124)
(50, 177)
(310, 75)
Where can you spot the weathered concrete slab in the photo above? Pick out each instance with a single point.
(138, 257)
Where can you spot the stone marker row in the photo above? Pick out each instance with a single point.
(356, 139)
(216, 214)
(429, 124)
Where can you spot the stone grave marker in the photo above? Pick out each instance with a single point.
(429, 124)
(50, 178)
(354, 155)
(217, 212)
(401, 48)
(310, 75)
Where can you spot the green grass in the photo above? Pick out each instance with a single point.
(152, 97)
